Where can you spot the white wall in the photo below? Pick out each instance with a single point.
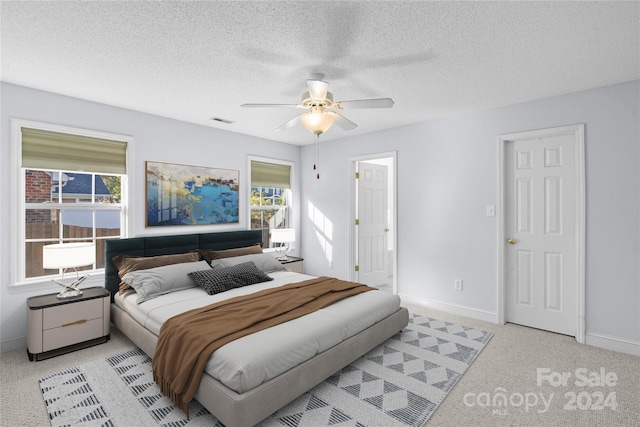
(447, 174)
(156, 139)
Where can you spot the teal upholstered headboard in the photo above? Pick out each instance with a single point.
(174, 244)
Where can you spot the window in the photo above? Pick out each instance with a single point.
(270, 196)
(71, 189)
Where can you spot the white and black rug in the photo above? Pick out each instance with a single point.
(399, 383)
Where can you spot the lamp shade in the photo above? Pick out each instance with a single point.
(68, 255)
(283, 235)
(317, 121)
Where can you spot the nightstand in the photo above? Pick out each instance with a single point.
(56, 325)
(294, 264)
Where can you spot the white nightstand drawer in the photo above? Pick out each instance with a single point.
(293, 263)
(297, 266)
(55, 317)
(72, 333)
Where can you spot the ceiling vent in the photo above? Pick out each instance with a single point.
(225, 121)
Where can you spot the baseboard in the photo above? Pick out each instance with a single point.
(13, 344)
(607, 342)
(458, 310)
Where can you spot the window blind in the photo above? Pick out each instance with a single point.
(42, 149)
(270, 175)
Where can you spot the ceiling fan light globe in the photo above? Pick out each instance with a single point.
(317, 122)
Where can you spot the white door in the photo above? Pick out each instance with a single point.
(372, 224)
(540, 227)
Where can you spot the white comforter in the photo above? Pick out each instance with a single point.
(249, 361)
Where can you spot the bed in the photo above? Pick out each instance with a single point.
(248, 401)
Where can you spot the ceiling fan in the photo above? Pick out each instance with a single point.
(321, 108)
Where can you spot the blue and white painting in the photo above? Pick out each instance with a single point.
(191, 195)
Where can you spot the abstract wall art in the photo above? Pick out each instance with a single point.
(190, 195)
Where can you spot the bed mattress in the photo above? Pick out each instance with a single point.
(249, 361)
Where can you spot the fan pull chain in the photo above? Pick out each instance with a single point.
(316, 151)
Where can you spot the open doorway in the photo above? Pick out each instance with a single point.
(374, 227)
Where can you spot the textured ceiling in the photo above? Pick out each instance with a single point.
(196, 60)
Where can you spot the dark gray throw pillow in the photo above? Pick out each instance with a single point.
(216, 280)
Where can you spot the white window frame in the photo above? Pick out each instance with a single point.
(291, 206)
(18, 232)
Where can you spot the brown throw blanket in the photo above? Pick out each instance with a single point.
(187, 340)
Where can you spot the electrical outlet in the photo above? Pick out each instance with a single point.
(457, 284)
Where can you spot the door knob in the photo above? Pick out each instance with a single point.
(511, 241)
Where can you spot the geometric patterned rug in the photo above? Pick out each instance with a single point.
(399, 383)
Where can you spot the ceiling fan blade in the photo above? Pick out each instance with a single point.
(317, 89)
(365, 103)
(291, 123)
(269, 105)
(342, 121)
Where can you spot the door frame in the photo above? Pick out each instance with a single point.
(578, 132)
(353, 161)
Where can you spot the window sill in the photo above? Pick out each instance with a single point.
(94, 279)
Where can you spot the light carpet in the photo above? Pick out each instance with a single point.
(399, 383)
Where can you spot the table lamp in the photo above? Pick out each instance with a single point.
(65, 256)
(283, 236)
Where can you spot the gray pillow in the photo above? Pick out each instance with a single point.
(216, 280)
(157, 281)
(265, 262)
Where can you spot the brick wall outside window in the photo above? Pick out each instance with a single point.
(38, 190)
